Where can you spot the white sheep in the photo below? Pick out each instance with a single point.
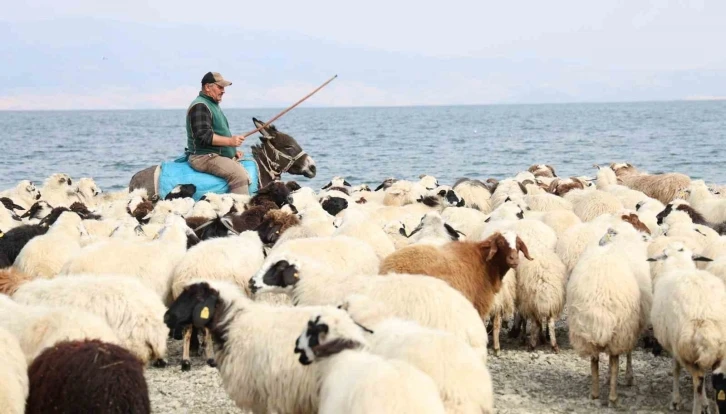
(475, 194)
(221, 203)
(434, 231)
(341, 254)
(590, 204)
(604, 310)
(9, 219)
(689, 320)
(558, 220)
(712, 207)
(714, 250)
(507, 188)
(467, 220)
(259, 371)
(132, 311)
(541, 291)
(24, 194)
(13, 374)
(503, 307)
(58, 190)
(403, 192)
(607, 181)
(152, 262)
(426, 300)
(357, 223)
(337, 346)
(45, 255)
(429, 182)
(39, 327)
(462, 378)
(88, 192)
(233, 259)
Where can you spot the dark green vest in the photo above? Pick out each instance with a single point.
(220, 126)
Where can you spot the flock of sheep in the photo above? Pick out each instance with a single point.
(352, 300)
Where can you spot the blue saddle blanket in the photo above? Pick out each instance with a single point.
(179, 171)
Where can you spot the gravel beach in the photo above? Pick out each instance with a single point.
(524, 382)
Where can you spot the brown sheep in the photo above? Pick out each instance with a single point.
(560, 187)
(542, 170)
(475, 269)
(11, 279)
(662, 187)
(141, 210)
(274, 224)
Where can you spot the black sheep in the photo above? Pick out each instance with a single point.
(12, 242)
(181, 191)
(87, 377)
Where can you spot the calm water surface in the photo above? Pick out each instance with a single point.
(370, 144)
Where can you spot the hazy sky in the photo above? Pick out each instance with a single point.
(134, 54)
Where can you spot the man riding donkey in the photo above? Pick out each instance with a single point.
(210, 144)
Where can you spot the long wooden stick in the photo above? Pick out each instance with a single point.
(246, 134)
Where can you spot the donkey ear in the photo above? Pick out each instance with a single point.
(265, 133)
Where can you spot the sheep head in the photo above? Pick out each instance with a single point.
(196, 305)
(634, 221)
(502, 250)
(542, 170)
(623, 169)
(328, 333)
(278, 277)
(274, 223)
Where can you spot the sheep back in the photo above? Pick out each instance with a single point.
(88, 377)
(13, 375)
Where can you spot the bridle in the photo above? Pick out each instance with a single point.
(272, 167)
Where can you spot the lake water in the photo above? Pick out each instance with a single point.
(367, 145)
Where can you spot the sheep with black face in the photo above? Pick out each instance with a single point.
(252, 346)
(380, 385)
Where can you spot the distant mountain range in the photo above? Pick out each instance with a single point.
(86, 63)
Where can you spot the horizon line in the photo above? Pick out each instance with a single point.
(689, 99)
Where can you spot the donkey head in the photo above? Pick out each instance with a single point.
(285, 151)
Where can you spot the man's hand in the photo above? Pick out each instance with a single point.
(237, 140)
(238, 155)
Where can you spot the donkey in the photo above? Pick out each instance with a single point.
(277, 153)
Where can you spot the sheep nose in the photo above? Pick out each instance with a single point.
(253, 286)
(313, 169)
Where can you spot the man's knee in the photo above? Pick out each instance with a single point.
(239, 182)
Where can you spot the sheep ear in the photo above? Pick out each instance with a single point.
(697, 258)
(328, 185)
(522, 187)
(554, 174)
(523, 248)
(402, 232)
(489, 247)
(290, 275)
(452, 232)
(204, 311)
(346, 183)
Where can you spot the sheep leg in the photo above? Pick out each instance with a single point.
(595, 373)
(495, 335)
(676, 396)
(209, 348)
(186, 363)
(553, 337)
(515, 331)
(629, 369)
(523, 331)
(614, 367)
(534, 334)
(700, 403)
